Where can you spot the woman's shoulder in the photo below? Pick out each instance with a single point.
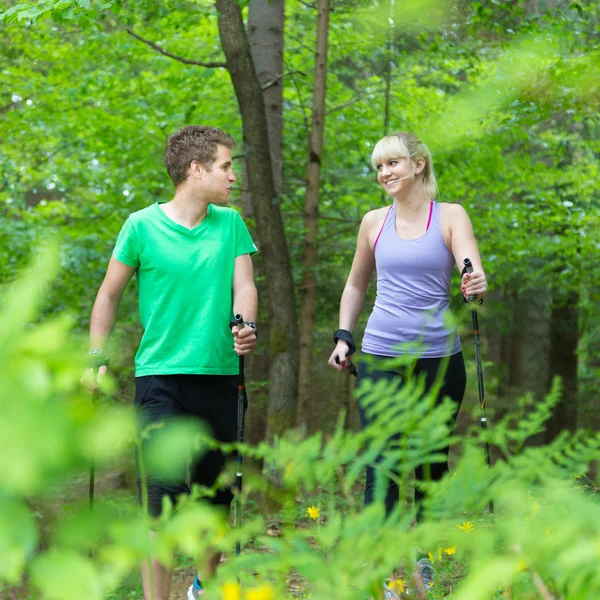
(372, 223)
(452, 211)
(375, 216)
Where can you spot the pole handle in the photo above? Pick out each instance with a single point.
(351, 366)
(469, 269)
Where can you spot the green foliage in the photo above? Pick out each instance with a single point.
(509, 102)
(545, 528)
(506, 99)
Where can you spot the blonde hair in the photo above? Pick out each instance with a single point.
(398, 145)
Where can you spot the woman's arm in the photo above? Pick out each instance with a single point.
(355, 290)
(463, 245)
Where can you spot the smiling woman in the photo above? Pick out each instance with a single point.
(413, 244)
(405, 148)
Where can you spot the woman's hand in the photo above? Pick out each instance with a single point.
(474, 285)
(339, 357)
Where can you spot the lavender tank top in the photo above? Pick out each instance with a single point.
(413, 293)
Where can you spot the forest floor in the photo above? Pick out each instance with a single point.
(115, 484)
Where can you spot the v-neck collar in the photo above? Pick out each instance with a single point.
(166, 219)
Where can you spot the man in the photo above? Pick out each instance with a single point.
(192, 258)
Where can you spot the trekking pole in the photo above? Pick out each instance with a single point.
(92, 478)
(351, 366)
(469, 269)
(95, 361)
(241, 400)
(93, 461)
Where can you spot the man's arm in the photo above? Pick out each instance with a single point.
(104, 313)
(245, 303)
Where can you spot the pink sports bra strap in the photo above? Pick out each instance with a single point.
(384, 220)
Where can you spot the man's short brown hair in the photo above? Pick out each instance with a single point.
(193, 142)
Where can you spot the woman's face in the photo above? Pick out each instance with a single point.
(395, 174)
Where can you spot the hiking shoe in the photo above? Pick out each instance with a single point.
(427, 573)
(194, 592)
(389, 593)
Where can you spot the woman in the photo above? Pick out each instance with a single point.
(413, 244)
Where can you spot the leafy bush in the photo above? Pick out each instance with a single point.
(542, 540)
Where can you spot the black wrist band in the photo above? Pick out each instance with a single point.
(346, 336)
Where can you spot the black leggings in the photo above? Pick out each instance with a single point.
(454, 383)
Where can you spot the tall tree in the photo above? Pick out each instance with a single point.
(283, 326)
(265, 34)
(311, 210)
(564, 341)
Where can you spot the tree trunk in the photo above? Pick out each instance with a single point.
(311, 214)
(265, 34)
(532, 7)
(532, 323)
(283, 327)
(564, 339)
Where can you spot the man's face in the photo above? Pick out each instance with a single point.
(216, 183)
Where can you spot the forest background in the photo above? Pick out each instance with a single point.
(506, 95)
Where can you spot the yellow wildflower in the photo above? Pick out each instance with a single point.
(313, 512)
(397, 585)
(536, 508)
(264, 592)
(451, 550)
(466, 526)
(288, 469)
(522, 565)
(220, 534)
(439, 556)
(231, 591)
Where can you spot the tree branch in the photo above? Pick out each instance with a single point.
(324, 217)
(304, 113)
(307, 4)
(345, 105)
(271, 83)
(187, 61)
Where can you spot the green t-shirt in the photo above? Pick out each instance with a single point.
(185, 281)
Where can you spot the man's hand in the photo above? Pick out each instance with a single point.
(244, 340)
(90, 381)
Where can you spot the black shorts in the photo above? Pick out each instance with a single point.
(212, 399)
